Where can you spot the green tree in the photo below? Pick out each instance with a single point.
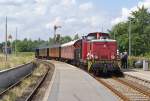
(27, 45)
(76, 37)
(65, 39)
(140, 32)
(1, 47)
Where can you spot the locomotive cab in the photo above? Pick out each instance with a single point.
(101, 47)
(102, 54)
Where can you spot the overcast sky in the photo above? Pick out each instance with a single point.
(36, 18)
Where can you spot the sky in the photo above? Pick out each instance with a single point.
(36, 18)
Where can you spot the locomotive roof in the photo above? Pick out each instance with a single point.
(69, 43)
(103, 40)
(101, 33)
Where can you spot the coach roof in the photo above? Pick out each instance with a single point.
(52, 46)
(69, 43)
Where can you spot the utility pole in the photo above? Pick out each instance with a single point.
(16, 42)
(129, 37)
(6, 41)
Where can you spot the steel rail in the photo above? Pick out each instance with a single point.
(146, 81)
(33, 93)
(123, 97)
(12, 86)
(119, 94)
(133, 86)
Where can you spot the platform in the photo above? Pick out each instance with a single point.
(139, 73)
(73, 84)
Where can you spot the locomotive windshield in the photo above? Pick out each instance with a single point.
(91, 37)
(94, 37)
(104, 37)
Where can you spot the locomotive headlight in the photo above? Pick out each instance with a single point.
(96, 57)
(112, 57)
(92, 56)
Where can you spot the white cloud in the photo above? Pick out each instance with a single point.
(86, 6)
(126, 12)
(68, 2)
(93, 21)
(57, 21)
(146, 3)
(36, 18)
(124, 16)
(70, 20)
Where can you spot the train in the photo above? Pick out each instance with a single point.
(96, 52)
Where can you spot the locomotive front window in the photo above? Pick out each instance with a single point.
(104, 37)
(91, 37)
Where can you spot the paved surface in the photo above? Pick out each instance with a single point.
(145, 75)
(72, 84)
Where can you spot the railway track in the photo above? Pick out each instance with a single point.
(134, 79)
(14, 76)
(33, 93)
(3, 92)
(34, 90)
(124, 89)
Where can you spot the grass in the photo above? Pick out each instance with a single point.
(26, 85)
(15, 60)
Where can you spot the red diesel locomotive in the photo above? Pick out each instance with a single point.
(96, 51)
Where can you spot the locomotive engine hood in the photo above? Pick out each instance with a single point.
(103, 49)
